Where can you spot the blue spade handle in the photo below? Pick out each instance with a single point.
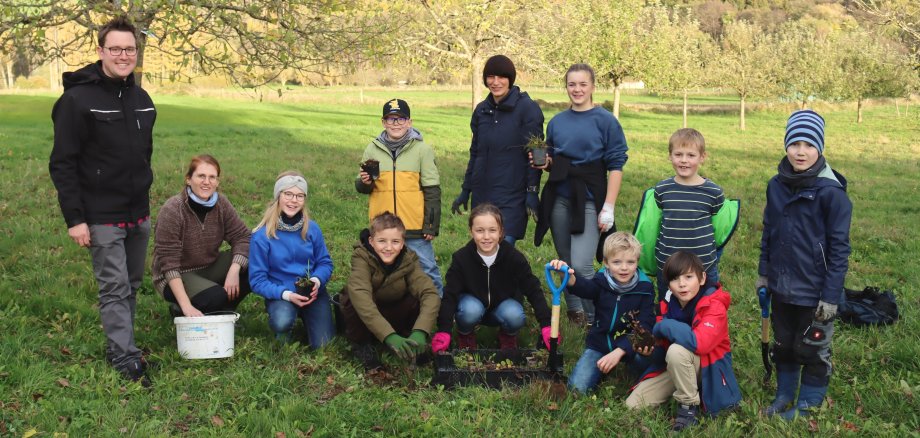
(764, 297)
(553, 287)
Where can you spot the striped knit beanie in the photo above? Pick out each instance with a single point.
(807, 126)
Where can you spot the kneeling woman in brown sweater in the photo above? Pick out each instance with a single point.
(189, 270)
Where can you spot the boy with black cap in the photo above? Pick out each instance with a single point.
(803, 262)
(498, 171)
(408, 184)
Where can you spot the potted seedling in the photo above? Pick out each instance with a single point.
(372, 167)
(490, 368)
(303, 284)
(639, 337)
(538, 150)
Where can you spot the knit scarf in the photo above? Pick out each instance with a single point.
(799, 180)
(292, 224)
(395, 145)
(210, 202)
(622, 288)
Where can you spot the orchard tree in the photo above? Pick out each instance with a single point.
(605, 34)
(871, 68)
(810, 63)
(251, 42)
(747, 63)
(677, 56)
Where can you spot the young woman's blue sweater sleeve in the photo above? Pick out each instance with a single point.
(615, 148)
(259, 280)
(322, 261)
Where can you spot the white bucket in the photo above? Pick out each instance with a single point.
(205, 337)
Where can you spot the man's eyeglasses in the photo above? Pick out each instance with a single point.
(117, 51)
(290, 196)
(398, 121)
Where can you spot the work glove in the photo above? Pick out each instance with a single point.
(403, 347)
(533, 204)
(546, 336)
(761, 283)
(605, 218)
(421, 340)
(825, 311)
(440, 342)
(462, 199)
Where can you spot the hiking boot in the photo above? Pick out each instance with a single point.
(367, 354)
(577, 317)
(136, 372)
(467, 341)
(506, 341)
(686, 417)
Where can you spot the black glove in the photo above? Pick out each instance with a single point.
(463, 199)
(533, 205)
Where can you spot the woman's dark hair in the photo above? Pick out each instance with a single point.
(119, 23)
(385, 221)
(198, 160)
(484, 209)
(682, 262)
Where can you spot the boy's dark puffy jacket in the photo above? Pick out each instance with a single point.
(609, 308)
(806, 240)
(103, 142)
(499, 171)
(509, 277)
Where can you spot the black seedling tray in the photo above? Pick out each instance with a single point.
(448, 374)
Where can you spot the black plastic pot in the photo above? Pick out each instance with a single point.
(539, 156)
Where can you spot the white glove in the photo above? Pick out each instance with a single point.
(825, 311)
(605, 219)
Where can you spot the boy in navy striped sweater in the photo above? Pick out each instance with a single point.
(687, 202)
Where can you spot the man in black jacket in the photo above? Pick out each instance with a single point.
(100, 165)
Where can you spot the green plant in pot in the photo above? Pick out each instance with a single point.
(303, 284)
(538, 150)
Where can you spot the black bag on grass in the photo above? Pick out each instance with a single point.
(868, 307)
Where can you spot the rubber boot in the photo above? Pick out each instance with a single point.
(787, 382)
(466, 341)
(810, 397)
(506, 341)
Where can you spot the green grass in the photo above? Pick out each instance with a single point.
(53, 378)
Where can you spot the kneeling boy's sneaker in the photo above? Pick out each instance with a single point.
(686, 417)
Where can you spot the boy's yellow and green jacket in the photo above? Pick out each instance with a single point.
(409, 186)
(648, 224)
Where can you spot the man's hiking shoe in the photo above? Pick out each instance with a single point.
(136, 372)
(686, 417)
(467, 341)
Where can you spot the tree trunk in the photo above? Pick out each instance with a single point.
(475, 78)
(742, 113)
(10, 78)
(804, 103)
(616, 100)
(859, 106)
(685, 107)
(897, 106)
(139, 70)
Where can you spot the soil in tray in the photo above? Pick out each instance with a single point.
(491, 368)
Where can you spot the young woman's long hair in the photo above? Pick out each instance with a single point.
(273, 212)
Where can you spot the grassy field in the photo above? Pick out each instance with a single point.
(53, 379)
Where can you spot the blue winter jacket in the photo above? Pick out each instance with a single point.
(806, 240)
(609, 330)
(499, 171)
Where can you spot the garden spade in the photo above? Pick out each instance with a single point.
(555, 360)
(764, 296)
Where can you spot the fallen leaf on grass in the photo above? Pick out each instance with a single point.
(65, 351)
(280, 435)
(63, 382)
(184, 396)
(330, 380)
(30, 433)
(377, 428)
(812, 426)
(553, 407)
(859, 410)
(181, 426)
(387, 405)
(306, 434)
(425, 416)
(4, 375)
(36, 396)
(850, 426)
(123, 430)
(217, 421)
(155, 407)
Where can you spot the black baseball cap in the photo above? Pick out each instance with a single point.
(397, 107)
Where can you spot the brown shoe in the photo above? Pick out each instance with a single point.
(507, 342)
(577, 317)
(467, 341)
